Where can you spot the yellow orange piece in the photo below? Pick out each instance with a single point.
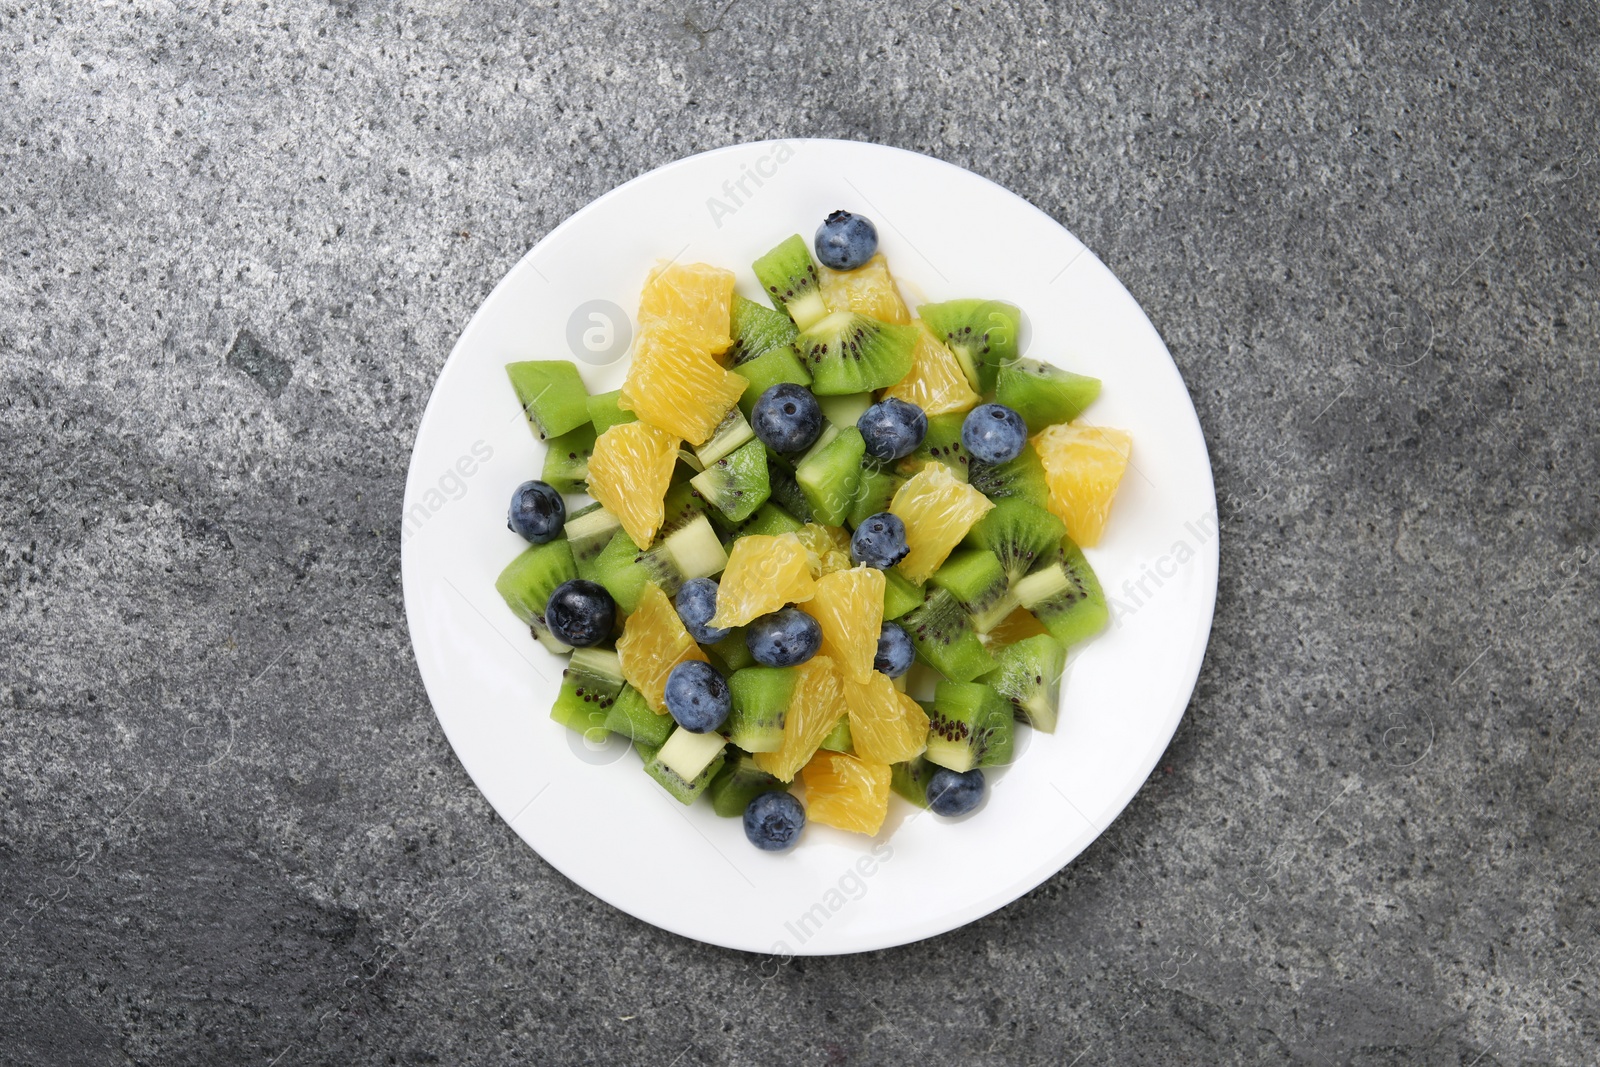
(827, 548)
(935, 383)
(1083, 465)
(676, 385)
(653, 642)
(938, 510)
(868, 290)
(846, 792)
(812, 713)
(848, 605)
(886, 726)
(693, 300)
(1016, 626)
(629, 472)
(764, 573)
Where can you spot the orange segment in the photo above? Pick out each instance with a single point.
(849, 607)
(764, 573)
(827, 548)
(694, 300)
(629, 472)
(868, 290)
(1083, 465)
(676, 385)
(935, 383)
(812, 713)
(886, 726)
(653, 642)
(938, 511)
(846, 792)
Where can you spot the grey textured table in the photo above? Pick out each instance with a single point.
(235, 248)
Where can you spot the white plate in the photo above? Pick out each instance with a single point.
(592, 812)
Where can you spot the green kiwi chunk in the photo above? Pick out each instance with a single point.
(760, 699)
(736, 484)
(970, 726)
(604, 412)
(941, 444)
(770, 520)
(1065, 596)
(589, 688)
(588, 531)
(765, 371)
(551, 394)
(786, 492)
(566, 460)
(624, 568)
(829, 474)
(1029, 676)
(738, 783)
(982, 333)
(874, 494)
(1021, 478)
(838, 739)
(527, 582)
(789, 277)
(1043, 395)
(730, 433)
(682, 505)
(630, 715)
(1020, 534)
(842, 411)
(910, 779)
(756, 331)
(850, 353)
(732, 651)
(943, 636)
(976, 579)
(900, 594)
(662, 767)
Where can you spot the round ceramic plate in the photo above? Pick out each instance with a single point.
(589, 809)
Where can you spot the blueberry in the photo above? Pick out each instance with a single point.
(698, 697)
(787, 418)
(784, 638)
(537, 512)
(993, 433)
(580, 612)
(696, 603)
(845, 241)
(894, 651)
(892, 428)
(772, 821)
(880, 541)
(950, 793)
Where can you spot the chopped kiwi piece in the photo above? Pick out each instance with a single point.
(838, 739)
(1029, 676)
(1065, 596)
(760, 698)
(733, 652)
(730, 433)
(686, 763)
(900, 594)
(589, 688)
(681, 506)
(566, 460)
(790, 279)
(589, 530)
(624, 568)
(1020, 534)
(528, 581)
(843, 411)
(1043, 395)
(756, 331)
(604, 412)
(738, 783)
(943, 636)
(970, 725)
(770, 520)
(874, 494)
(850, 353)
(632, 717)
(910, 779)
(829, 475)
(786, 492)
(694, 550)
(942, 444)
(982, 334)
(551, 394)
(765, 371)
(1021, 478)
(976, 579)
(736, 484)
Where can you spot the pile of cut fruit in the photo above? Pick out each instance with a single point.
(804, 517)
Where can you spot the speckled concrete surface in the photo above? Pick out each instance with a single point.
(235, 248)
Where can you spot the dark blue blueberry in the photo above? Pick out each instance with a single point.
(993, 433)
(953, 794)
(581, 613)
(773, 821)
(892, 428)
(894, 651)
(787, 418)
(880, 541)
(845, 241)
(697, 696)
(786, 637)
(537, 512)
(696, 603)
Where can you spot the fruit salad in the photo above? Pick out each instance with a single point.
(833, 550)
